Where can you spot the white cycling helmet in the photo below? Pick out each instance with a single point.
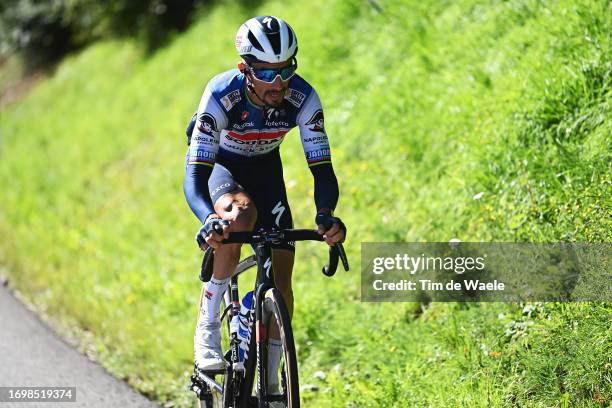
(266, 39)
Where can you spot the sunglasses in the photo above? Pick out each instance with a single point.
(268, 75)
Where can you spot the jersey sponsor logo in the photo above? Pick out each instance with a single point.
(202, 139)
(231, 99)
(243, 125)
(316, 139)
(257, 134)
(276, 124)
(317, 122)
(318, 154)
(238, 149)
(244, 115)
(198, 153)
(295, 97)
(207, 123)
(216, 190)
(254, 142)
(249, 150)
(208, 294)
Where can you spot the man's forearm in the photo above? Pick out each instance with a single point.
(195, 186)
(325, 186)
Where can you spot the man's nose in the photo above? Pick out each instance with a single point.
(277, 84)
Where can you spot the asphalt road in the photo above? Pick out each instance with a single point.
(32, 355)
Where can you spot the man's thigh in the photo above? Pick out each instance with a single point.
(270, 198)
(233, 186)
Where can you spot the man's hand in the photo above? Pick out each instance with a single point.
(209, 235)
(332, 228)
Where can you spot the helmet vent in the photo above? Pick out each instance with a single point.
(274, 39)
(254, 41)
(290, 32)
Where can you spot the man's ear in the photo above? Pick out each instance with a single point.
(242, 67)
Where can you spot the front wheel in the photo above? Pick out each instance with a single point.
(275, 308)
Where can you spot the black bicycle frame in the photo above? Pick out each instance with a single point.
(264, 281)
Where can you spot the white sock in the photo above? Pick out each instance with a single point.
(211, 299)
(275, 348)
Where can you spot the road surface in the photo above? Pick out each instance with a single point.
(32, 355)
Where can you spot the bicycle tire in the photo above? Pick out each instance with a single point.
(279, 308)
(275, 304)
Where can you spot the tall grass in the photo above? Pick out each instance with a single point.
(427, 105)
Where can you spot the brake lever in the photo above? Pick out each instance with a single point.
(343, 257)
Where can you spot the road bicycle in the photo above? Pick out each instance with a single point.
(236, 386)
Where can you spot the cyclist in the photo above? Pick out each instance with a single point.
(233, 173)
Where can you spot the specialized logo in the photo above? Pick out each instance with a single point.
(207, 124)
(295, 97)
(267, 266)
(231, 99)
(267, 21)
(273, 113)
(278, 210)
(245, 49)
(317, 122)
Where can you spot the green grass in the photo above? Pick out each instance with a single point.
(427, 104)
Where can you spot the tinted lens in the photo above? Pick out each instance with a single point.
(268, 75)
(287, 72)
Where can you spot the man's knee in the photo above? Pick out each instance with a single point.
(245, 218)
(239, 209)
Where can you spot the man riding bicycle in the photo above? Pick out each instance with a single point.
(233, 171)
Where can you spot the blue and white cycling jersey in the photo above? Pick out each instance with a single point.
(230, 127)
(244, 139)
